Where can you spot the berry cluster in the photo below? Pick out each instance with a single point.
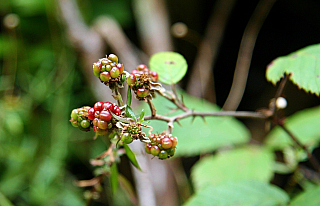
(109, 71)
(101, 117)
(132, 131)
(79, 118)
(162, 145)
(139, 81)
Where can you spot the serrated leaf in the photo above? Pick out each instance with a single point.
(141, 118)
(303, 67)
(131, 156)
(129, 97)
(304, 125)
(170, 66)
(204, 137)
(114, 178)
(310, 197)
(244, 193)
(130, 113)
(248, 163)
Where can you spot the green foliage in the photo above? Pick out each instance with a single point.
(244, 193)
(303, 124)
(302, 66)
(310, 197)
(203, 135)
(170, 66)
(246, 163)
(131, 156)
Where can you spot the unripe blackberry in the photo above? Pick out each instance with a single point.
(142, 92)
(131, 79)
(148, 148)
(74, 114)
(108, 106)
(91, 113)
(96, 68)
(113, 58)
(105, 115)
(105, 76)
(154, 76)
(163, 154)
(85, 123)
(155, 150)
(126, 138)
(115, 72)
(174, 141)
(98, 106)
(171, 151)
(102, 124)
(120, 67)
(166, 143)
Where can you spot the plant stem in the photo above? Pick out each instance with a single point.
(311, 158)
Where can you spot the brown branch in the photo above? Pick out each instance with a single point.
(245, 54)
(202, 75)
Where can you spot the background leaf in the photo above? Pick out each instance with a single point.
(170, 66)
(303, 65)
(310, 198)
(131, 156)
(244, 193)
(114, 178)
(204, 136)
(247, 163)
(304, 125)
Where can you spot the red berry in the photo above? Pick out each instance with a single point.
(136, 72)
(98, 106)
(174, 141)
(91, 113)
(155, 150)
(120, 67)
(131, 79)
(148, 148)
(154, 76)
(166, 143)
(142, 92)
(105, 76)
(105, 115)
(141, 67)
(108, 106)
(96, 114)
(116, 110)
(115, 72)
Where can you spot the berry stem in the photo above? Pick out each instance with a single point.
(152, 107)
(118, 96)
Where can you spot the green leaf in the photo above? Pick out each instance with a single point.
(130, 113)
(204, 136)
(131, 156)
(244, 193)
(310, 197)
(141, 118)
(114, 178)
(248, 163)
(303, 65)
(129, 97)
(170, 66)
(304, 125)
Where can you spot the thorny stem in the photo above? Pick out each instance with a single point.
(152, 107)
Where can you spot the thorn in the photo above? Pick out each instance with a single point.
(178, 122)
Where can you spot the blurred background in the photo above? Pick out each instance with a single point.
(47, 48)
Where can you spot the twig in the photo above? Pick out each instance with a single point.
(245, 54)
(152, 107)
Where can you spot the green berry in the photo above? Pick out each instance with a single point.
(171, 151)
(105, 76)
(85, 123)
(155, 150)
(96, 69)
(163, 154)
(113, 58)
(114, 72)
(142, 92)
(131, 79)
(74, 123)
(126, 138)
(108, 68)
(102, 124)
(148, 148)
(74, 114)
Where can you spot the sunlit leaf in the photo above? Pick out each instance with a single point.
(244, 193)
(303, 67)
(304, 125)
(141, 118)
(131, 156)
(310, 197)
(247, 163)
(170, 66)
